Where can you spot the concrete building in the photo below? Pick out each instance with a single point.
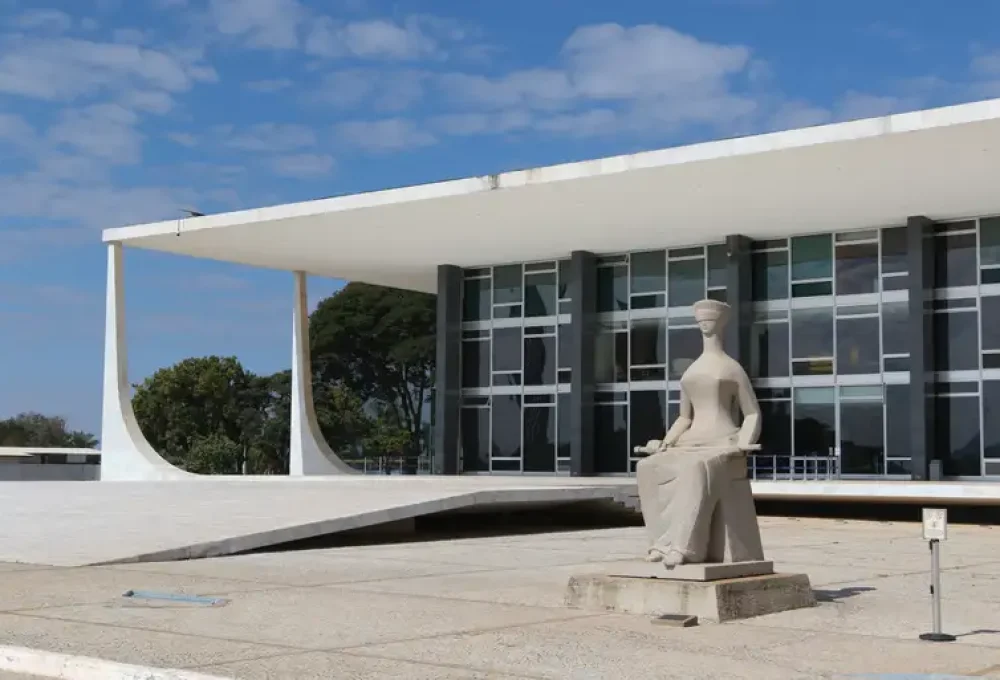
(861, 259)
(49, 464)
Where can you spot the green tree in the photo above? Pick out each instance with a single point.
(215, 454)
(379, 343)
(35, 429)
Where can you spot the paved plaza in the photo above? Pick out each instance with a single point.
(492, 607)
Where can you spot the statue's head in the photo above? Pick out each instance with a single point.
(711, 316)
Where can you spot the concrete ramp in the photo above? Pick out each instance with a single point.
(88, 523)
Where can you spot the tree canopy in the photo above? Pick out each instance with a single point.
(35, 429)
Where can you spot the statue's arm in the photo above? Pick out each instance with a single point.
(680, 425)
(750, 430)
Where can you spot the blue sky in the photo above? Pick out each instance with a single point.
(117, 112)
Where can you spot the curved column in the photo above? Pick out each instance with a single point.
(126, 455)
(309, 452)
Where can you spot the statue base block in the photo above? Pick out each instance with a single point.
(651, 590)
(714, 571)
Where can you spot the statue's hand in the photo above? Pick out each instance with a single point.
(651, 447)
(746, 448)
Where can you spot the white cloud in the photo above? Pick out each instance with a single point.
(15, 130)
(391, 134)
(469, 124)
(51, 20)
(104, 131)
(272, 137)
(384, 91)
(270, 24)
(304, 166)
(183, 138)
(370, 39)
(269, 86)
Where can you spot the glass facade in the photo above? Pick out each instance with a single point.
(829, 353)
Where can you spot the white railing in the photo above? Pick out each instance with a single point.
(793, 468)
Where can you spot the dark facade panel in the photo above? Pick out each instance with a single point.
(739, 280)
(448, 375)
(920, 258)
(583, 293)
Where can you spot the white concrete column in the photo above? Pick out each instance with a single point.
(126, 455)
(310, 454)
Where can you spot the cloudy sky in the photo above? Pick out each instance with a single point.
(118, 112)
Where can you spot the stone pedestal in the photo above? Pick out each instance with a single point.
(712, 592)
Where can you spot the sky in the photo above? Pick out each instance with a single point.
(117, 112)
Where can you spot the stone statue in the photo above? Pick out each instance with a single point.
(693, 487)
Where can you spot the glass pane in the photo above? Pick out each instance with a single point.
(612, 289)
(540, 439)
(507, 349)
(564, 275)
(649, 301)
(989, 241)
(540, 361)
(563, 402)
(476, 300)
(956, 341)
(815, 421)
(897, 421)
(506, 426)
(861, 448)
(894, 250)
(475, 363)
(812, 333)
(812, 289)
(611, 438)
(717, 264)
(991, 418)
(955, 261)
(812, 257)
(857, 346)
(956, 435)
(649, 272)
(507, 283)
(649, 342)
(475, 430)
(769, 350)
(776, 428)
(648, 410)
(991, 322)
(770, 275)
(610, 356)
(540, 295)
(683, 346)
(565, 345)
(894, 331)
(857, 269)
(686, 282)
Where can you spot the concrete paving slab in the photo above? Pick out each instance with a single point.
(323, 666)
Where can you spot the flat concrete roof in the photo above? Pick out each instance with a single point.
(941, 163)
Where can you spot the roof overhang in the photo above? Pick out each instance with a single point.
(942, 163)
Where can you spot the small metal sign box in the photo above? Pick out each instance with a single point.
(935, 524)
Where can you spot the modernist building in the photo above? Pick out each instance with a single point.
(861, 260)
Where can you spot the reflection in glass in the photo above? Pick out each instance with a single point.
(563, 402)
(894, 332)
(648, 409)
(684, 346)
(686, 282)
(540, 439)
(649, 342)
(564, 276)
(610, 356)
(991, 418)
(815, 421)
(857, 269)
(475, 438)
(956, 341)
(611, 438)
(861, 447)
(718, 262)
(991, 321)
(476, 300)
(507, 349)
(540, 361)
(955, 262)
(897, 421)
(957, 435)
(507, 284)
(612, 288)
(812, 257)
(989, 241)
(649, 272)
(506, 426)
(475, 363)
(812, 333)
(770, 275)
(894, 250)
(769, 350)
(776, 428)
(857, 345)
(540, 295)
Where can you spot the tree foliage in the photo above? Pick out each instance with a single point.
(35, 429)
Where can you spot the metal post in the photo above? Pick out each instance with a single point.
(936, 635)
